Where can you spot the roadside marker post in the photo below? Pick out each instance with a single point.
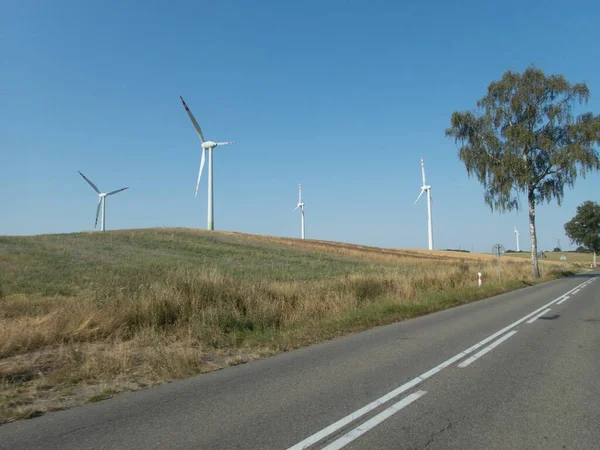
(498, 250)
(563, 258)
(479, 280)
(541, 256)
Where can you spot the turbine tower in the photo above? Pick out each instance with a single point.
(301, 206)
(101, 201)
(206, 146)
(517, 236)
(427, 189)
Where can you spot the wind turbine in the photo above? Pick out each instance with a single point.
(517, 235)
(101, 201)
(301, 206)
(427, 189)
(206, 146)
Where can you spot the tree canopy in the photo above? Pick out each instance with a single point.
(584, 228)
(524, 138)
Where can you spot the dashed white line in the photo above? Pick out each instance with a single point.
(533, 319)
(314, 438)
(479, 354)
(371, 423)
(575, 291)
(565, 298)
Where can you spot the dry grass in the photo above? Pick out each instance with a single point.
(573, 258)
(84, 316)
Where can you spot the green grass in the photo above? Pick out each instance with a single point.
(69, 264)
(86, 315)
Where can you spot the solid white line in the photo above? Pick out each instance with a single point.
(314, 438)
(373, 422)
(564, 300)
(538, 316)
(493, 345)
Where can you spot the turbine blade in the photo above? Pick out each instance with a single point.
(98, 212)
(423, 171)
(200, 171)
(296, 208)
(89, 182)
(118, 190)
(225, 143)
(196, 126)
(422, 190)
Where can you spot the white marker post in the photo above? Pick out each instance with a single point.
(479, 280)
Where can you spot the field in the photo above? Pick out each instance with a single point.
(86, 315)
(573, 258)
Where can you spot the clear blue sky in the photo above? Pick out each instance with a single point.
(342, 96)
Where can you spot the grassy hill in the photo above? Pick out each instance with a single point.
(85, 315)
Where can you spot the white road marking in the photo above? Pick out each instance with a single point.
(355, 415)
(533, 319)
(479, 354)
(575, 292)
(319, 435)
(373, 422)
(566, 297)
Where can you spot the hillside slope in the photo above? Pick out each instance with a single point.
(85, 315)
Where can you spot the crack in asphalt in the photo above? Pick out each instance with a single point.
(437, 433)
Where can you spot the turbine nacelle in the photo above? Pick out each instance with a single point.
(208, 145)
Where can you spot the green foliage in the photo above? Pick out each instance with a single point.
(584, 228)
(524, 138)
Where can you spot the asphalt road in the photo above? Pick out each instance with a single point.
(491, 374)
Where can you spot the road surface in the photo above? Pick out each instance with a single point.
(520, 370)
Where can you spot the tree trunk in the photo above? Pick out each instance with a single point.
(594, 258)
(535, 271)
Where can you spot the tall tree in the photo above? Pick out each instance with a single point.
(524, 139)
(584, 228)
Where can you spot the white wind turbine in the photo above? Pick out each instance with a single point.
(206, 146)
(427, 189)
(101, 201)
(517, 236)
(301, 206)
